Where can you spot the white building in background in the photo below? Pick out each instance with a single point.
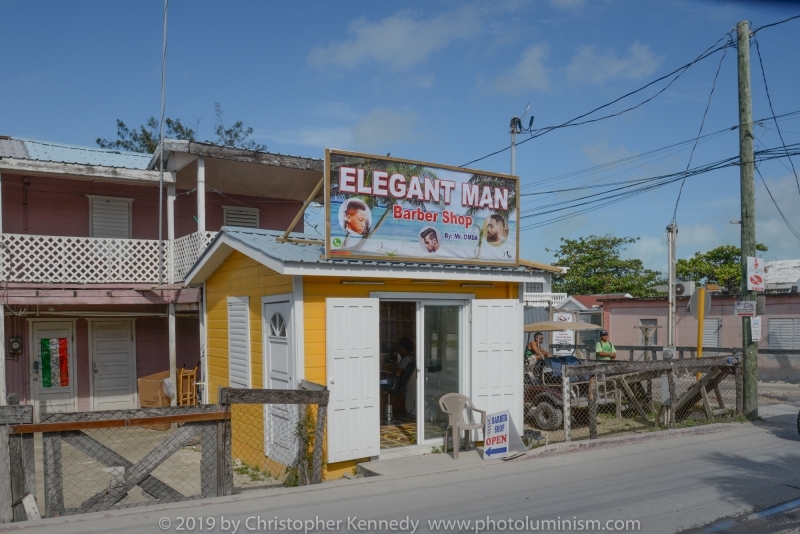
(783, 276)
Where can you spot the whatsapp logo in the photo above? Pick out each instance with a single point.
(337, 242)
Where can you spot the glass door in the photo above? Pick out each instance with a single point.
(441, 366)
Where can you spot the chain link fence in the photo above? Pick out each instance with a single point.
(276, 437)
(74, 463)
(570, 399)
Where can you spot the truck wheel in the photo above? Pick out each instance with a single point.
(547, 416)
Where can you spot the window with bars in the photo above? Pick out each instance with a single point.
(534, 287)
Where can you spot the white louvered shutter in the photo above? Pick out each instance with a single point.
(238, 342)
(784, 333)
(243, 217)
(711, 332)
(110, 217)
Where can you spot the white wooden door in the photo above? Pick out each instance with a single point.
(280, 420)
(496, 357)
(352, 368)
(238, 342)
(113, 362)
(51, 393)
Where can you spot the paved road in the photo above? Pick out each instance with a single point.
(668, 485)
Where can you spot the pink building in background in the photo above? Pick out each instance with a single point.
(780, 328)
(82, 261)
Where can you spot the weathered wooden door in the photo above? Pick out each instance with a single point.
(113, 365)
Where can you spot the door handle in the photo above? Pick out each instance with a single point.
(332, 381)
(94, 367)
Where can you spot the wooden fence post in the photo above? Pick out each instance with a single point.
(53, 476)
(739, 377)
(319, 436)
(6, 499)
(23, 467)
(565, 402)
(209, 468)
(592, 407)
(672, 396)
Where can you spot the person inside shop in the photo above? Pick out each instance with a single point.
(431, 239)
(356, 218)
(534, 351)
(496, 230)
(405, 348)
(604, 349)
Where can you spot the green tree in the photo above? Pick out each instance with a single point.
(145, 138)
(721, 266)
(595, 267)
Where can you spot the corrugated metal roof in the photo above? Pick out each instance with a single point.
(61, 153)
(782, 272)
(265, 241)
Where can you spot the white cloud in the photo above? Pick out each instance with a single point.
(570, 5)
(382, 127)
(529, 73)
(336, 110)
(601, 152)
(596, 66)
(399, 41)
(314, 137)
(699, 238)
(770, 227)
(651, 250)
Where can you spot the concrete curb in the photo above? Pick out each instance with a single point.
(577, 446)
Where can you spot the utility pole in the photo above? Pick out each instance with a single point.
(515, 128)
(746, 169)
(672, 234)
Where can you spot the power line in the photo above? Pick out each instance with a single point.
(702, 123)
(780, 211)
(597, 168)
(680, 71)
(769, 99)
(646, 185)
(773, 24)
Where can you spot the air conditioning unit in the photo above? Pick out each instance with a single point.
(684, 289)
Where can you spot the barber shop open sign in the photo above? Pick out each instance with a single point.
(392, 209)
(495, 444)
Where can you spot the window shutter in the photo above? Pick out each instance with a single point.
(244, 217)
(711, 332)
(783, 333)
(238, 342)
(110, 217)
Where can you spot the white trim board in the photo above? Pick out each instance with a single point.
(299, 328)
(420, 296)
(223, 245)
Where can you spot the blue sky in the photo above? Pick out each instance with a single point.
(437, 82)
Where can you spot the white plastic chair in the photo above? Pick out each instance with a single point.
(453, 404)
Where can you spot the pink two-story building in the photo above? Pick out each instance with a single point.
(92, 298)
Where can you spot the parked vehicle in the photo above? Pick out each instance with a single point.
(544, 399)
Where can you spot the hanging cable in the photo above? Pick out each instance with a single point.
(702, 122)
(780, 211)
(679, 71)
(161, 155)
(769, 99)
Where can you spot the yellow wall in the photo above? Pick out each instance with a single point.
(241, 276)
(238, 276)
(317, 288)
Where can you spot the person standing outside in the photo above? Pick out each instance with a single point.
(604, 349)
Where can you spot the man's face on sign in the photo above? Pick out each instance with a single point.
(493, 231)
(431, 243)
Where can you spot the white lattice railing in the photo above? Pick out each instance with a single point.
(544, 299)
(88, 260)
(187, 249)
